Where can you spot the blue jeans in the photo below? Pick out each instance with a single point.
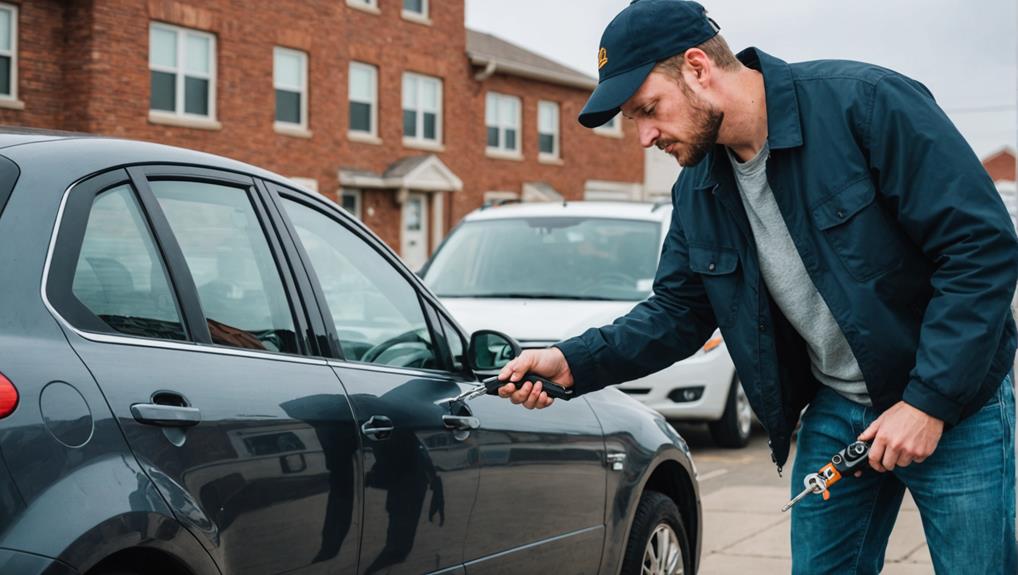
(965, 492)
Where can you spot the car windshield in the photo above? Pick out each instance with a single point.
(548, 257)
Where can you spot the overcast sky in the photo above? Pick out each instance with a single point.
(963, 50)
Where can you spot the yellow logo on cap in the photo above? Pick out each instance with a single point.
(602, 58)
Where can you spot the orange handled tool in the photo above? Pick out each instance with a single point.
(849, 460)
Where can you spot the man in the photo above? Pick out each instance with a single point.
(858, 260)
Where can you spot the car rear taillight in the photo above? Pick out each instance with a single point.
(8, 396)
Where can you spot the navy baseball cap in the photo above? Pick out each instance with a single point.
(642, 35)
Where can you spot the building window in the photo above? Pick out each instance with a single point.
(502, 118)
(363, 98)
(351, 201)
(422, 109)
(8, 52)
(416, 9)
(290, 74)
(182, 69)
(612, 128)
(547, 129)
(366, 5)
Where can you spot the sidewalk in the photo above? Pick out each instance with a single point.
(745, 533)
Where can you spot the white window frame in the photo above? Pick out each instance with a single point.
(423, 17)
(419, 139)
(613, 131)
(303, 88)
(358, 196)
(497, 98)
(365, 5)
(372, 133)
(12, 53)
(556, 152)
(180, 72)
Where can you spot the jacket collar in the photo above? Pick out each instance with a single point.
(783, 127)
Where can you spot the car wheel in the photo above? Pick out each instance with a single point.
(736, 423)
(658, 544)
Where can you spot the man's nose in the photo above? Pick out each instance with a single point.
(648, 133)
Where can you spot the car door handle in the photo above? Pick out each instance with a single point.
(461, 422)
(378, 427)
(166, 415)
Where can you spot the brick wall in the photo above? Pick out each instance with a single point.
(1001, 166)
(83, 66)
(40, 52)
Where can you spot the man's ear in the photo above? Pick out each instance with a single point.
(698, 65)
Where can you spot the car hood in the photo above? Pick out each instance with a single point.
(534, 319)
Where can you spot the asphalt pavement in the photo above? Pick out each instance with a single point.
(744, 528)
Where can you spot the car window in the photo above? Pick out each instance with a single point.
(377, 314)
(562, 258)
(119, 275)
(238, 282)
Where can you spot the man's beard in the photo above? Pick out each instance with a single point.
(707, 120)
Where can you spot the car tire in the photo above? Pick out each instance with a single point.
(657, 544)
(736, 424)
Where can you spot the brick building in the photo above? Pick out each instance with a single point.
(391, 107)
(1001, 165)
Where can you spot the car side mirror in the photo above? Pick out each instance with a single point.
(490, 350)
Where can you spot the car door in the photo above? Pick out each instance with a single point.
(173, 289)
(541, 500)
(420, 459)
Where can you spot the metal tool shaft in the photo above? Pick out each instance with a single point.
(798, 497)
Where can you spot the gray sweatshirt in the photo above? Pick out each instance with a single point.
(785, 276)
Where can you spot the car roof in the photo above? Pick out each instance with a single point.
(585, 209)
(68, 156)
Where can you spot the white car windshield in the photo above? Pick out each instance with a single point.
(548, 257)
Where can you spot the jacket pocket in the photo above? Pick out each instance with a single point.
(718, 269)
(861, 233)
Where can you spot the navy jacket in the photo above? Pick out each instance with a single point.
(899, 227)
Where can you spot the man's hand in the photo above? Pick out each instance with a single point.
(548, 363)
(900, 436)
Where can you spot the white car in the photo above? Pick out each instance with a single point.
(543, 272)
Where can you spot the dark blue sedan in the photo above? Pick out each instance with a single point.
(204, 370)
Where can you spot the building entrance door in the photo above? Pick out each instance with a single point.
(414, 232)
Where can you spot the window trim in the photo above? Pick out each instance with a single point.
(71, 210)
(500, 150)
(294, 128)
(371, 6)
(419, 139)
(614, 132)
(267, 221)
(65, 250)
(556, 152)
(373, 131)
(358, 194)
(422, 17)
(11, 100)
(180, 74)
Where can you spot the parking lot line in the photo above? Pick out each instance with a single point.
(712, 474)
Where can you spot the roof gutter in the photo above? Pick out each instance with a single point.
(525, 71)
(489, 69)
